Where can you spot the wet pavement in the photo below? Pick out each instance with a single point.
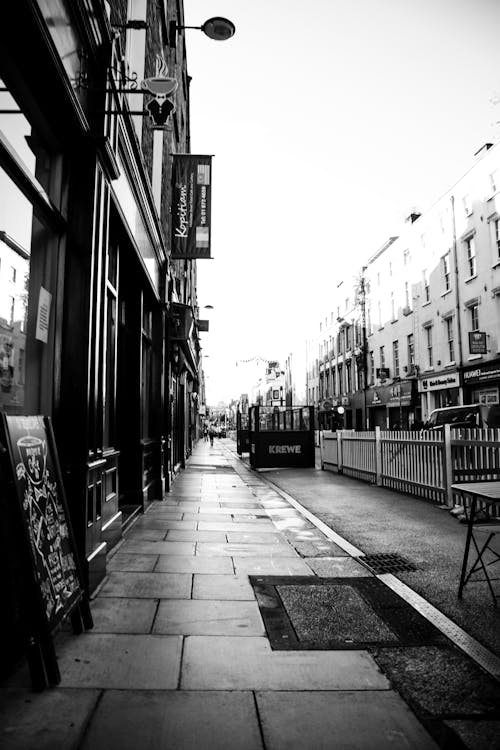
(233, 618)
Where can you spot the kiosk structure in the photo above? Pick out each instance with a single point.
(242, 445)
(281, 436)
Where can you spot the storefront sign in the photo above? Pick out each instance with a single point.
(191, 208)
(439, 382)
(483, 374)
(477, 342)
(162, 87)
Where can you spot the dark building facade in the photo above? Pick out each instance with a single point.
(90, 297)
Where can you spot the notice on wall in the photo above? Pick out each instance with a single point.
(43, 315)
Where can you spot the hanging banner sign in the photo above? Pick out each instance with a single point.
(191, 206)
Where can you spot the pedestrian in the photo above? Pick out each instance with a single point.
(205, 433)
(211, 434)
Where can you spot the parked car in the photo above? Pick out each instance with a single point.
(469, 415)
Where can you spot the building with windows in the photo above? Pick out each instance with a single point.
(98, 321)
(423, 328)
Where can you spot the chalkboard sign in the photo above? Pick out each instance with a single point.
(37, 483)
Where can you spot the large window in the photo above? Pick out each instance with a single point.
(470, 249)
(410, 348)
(428, 343)
(395, 358)
(427, 288)
(446, 272)
(29, 192)
(450, 339)
(474, 317)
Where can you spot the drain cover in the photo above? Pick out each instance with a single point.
(386, 562)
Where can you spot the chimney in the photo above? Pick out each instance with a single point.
(411, 219)
(484, 148)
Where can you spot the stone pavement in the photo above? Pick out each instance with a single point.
(179, 656)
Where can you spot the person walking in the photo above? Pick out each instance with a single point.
(211, 434)
(205, 433)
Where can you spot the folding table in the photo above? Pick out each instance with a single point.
(482, 533)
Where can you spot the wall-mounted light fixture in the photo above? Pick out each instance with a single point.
(217, 28)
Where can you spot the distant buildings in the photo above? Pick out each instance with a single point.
(420, 326)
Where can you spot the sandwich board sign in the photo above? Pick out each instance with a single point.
(54, 588)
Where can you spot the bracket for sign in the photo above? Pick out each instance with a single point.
(53, 590)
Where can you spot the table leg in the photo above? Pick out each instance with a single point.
(470, 523)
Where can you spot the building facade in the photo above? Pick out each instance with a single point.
(419, 328)
(98, 323)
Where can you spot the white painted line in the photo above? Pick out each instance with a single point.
(481, 655)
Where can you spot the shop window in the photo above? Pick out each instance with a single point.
(29, 242)
(146, 372)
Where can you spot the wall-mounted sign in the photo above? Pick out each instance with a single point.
(477, 342)
(439, 382)
(483, 374)
(382, 373)
(161, 86)
(191, 206)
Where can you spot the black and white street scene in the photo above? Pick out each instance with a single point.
(250, 375)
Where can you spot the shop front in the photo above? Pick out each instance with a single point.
(482, 384)
(438, 391)
(392, 407)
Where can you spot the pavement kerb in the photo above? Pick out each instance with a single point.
(459, 637)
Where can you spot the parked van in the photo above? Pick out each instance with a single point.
(470, 415)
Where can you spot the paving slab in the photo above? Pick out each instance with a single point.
(207, 517)
(232, 663)
(181, 720)
(165, 511)
(208, 617)
(157, 534)
(132, 562)
(222, 587)
(147, 585)
(245, 550)
(361, 720)
(264, 526)
(202, 565)
(126, 662)
(115, 615)
(174, 535)
(153, 522)
(144, 547)
(255, 537)
(24, 724)
(292, 566)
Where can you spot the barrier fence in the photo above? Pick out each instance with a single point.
(424, 464)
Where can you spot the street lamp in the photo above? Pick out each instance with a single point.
(217, 28)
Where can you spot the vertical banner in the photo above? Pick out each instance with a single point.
(191, 197)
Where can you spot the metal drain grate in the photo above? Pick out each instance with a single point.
(386, 562)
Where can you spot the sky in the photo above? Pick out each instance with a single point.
(329, 122)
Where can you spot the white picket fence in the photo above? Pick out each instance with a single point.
(424, 464)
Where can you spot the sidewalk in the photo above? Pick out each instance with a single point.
(192, 647)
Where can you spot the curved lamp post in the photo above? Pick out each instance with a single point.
(217, 28)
